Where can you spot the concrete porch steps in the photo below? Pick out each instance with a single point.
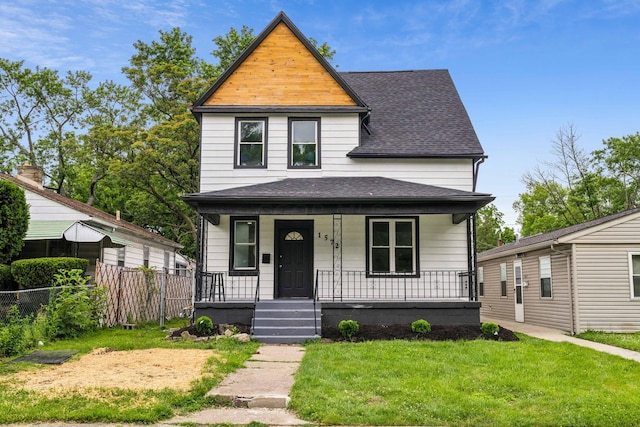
(286, 321)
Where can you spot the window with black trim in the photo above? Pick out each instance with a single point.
(304, 143)
(251, 143)
(545, 276)
(392, 246)
(503, 279)
(244, 244)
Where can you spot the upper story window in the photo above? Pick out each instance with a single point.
(251, 143)
(304, 143)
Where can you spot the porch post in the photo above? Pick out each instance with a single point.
(337, 254)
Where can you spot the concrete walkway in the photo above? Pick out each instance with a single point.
(556, 335)
(259, 392)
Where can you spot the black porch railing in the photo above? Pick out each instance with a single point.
(430, 285)
(222, 286)
(363, 286)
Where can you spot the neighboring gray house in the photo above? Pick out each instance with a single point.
(583, 277)
(60, 226)
(349, 191)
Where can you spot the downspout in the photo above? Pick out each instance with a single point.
(471, 238)
(569, 257)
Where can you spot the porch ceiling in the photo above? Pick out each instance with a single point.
(338, 195)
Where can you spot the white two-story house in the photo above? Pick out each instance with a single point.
(349, 193)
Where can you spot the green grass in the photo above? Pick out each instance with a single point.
(120, 406)
(475, 383)
(628, 341)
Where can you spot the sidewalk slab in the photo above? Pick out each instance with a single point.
(266, 380)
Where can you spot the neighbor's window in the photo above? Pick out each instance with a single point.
(304, 143)
(244, 238)
(545, 276)
(481, 281)
(503, 279)
(121, 255)
(167, 259)
(634, 269)
(145, 256)
(251, 143)
(392, 245)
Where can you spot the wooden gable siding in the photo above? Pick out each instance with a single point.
(280, 71)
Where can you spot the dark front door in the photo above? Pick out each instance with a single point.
(294, 259)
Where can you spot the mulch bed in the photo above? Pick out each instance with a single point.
(391, 332)
(438, 333)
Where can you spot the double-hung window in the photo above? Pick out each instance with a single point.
(244, 244)
(634, 272)
(121, 256)
(304, 143)
(251, 142)
(503, 279)
(545, 276)
(392, 246)
(481, 281)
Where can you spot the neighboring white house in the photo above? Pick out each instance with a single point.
(60, 226)
(334, 187)
(583, 277)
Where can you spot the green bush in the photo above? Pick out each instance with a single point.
(348, 328)
(490, 328)
(12, 333)
(421, 326)
(14, 220)
(204, 325)
(6, 279)
(77, 308)
(40, 272)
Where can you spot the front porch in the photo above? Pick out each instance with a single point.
(442, 297)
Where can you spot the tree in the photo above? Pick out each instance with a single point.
(39, 113)
(490, 228)
(620, 159)
(14, 220)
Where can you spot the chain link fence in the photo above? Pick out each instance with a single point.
(133, 295)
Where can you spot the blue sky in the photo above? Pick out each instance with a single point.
(523, 68)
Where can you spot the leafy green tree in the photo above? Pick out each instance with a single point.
(14, 220)
(620, 159)
(490, 228)
(39, 113)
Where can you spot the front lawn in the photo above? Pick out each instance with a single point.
(466, 383)
(628, 341)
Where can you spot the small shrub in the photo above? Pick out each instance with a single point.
(421, 326)
(348, 328)
(204, 325)
(76, 308)
(490, 328)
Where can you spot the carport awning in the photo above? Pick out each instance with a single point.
(72, 231)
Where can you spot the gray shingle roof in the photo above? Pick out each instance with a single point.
(526, 242)
(340, 188)
(413, 114)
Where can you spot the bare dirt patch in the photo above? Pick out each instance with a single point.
(151, 369)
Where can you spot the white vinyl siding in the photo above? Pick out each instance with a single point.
(339, 134)
(442, 245)
(43, 209)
